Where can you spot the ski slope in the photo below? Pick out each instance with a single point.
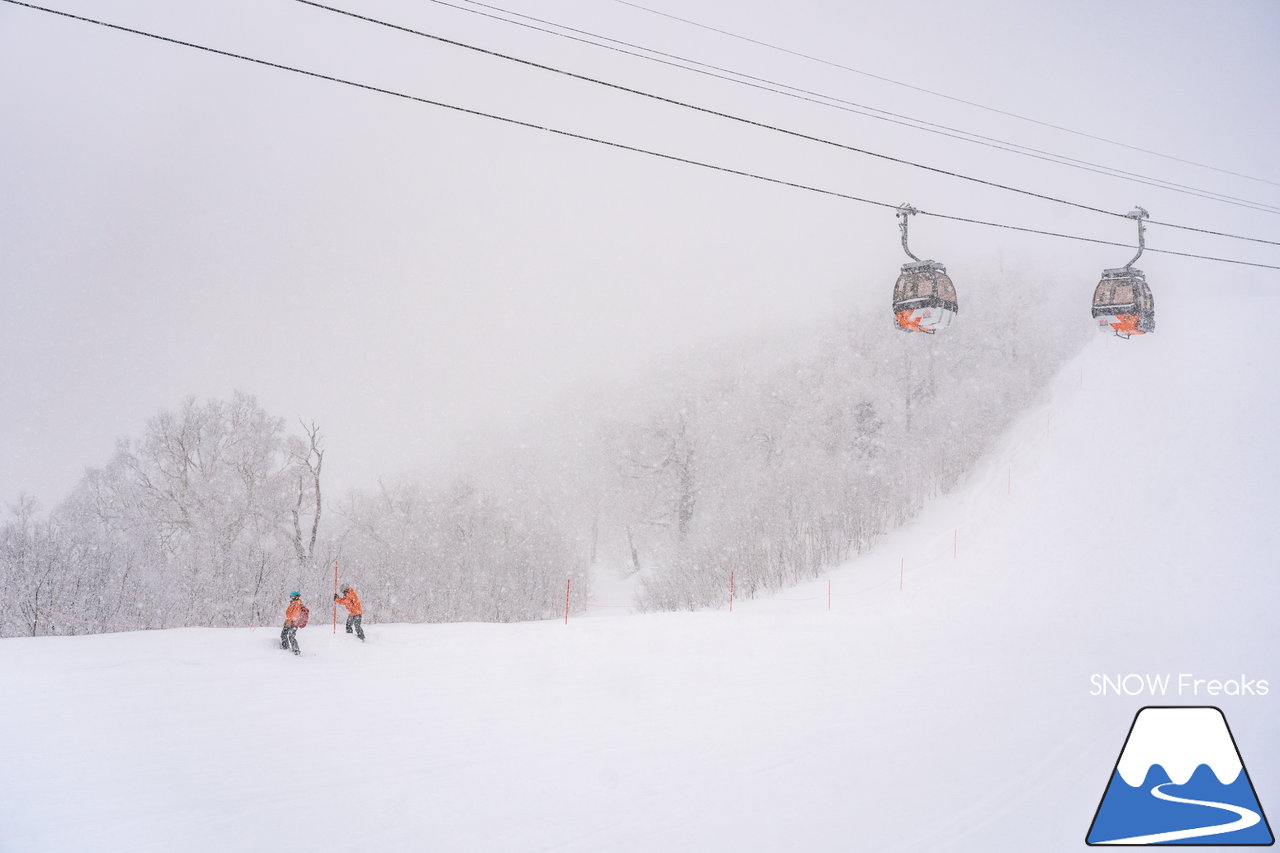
(943, 702)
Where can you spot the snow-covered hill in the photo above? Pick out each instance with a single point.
(943, 702)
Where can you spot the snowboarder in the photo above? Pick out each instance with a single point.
(295, 617)
(355, 612)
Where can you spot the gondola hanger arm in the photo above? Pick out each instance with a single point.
(904, 211)
(1139, 213)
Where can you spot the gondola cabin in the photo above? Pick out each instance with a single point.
(924, 299)
(1123, 304)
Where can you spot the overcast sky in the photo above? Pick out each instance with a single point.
(178, 223)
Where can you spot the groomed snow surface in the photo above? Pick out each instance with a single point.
(1126, 526)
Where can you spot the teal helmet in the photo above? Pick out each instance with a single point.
(295, 594)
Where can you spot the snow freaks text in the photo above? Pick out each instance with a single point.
(1180, 684)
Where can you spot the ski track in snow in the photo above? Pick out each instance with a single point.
(954, 715)
(1245, 819)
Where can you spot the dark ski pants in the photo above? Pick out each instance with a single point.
(355, 620)
(289, 638)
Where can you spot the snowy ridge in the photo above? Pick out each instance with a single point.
(1179, 740)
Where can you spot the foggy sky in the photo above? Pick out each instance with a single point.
(176, 223)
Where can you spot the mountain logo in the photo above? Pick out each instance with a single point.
(1180, 780)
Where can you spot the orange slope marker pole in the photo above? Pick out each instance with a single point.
(335, 596)
(568, 584)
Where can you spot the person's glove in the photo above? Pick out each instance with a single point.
(335, 596)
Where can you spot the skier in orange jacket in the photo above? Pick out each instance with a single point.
(355, 612)
(295, 617)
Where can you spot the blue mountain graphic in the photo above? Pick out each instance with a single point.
(1129, 812)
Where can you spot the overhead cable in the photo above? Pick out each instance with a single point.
(753, 122)
(834, 102)
(583, 137)
(953, 98)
